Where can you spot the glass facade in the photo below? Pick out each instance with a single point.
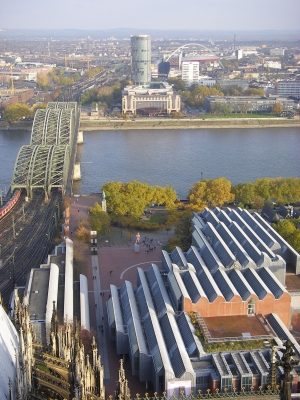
(141, 59)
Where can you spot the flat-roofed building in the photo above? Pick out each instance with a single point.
(190, 72)
(288, 88)
(249, 104)
(158, 98)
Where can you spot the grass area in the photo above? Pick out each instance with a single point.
(238, 116)
(226, 327)
(158, 219)
(234, 326)
(230, 346)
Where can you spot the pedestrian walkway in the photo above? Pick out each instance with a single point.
(101, 336)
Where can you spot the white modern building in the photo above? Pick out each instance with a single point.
(239, 54)
(190, 72)
(288, 88)
(141, 59)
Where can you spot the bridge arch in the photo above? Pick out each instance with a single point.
(53, 126)
(191, 44)
(45, 162)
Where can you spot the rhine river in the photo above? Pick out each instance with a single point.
(172, 157)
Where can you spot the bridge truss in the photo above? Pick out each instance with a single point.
(45, 162)
(54, 126)
(41, 166)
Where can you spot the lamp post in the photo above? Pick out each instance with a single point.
(13, 265)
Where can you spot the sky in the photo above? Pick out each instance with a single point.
(152, 14)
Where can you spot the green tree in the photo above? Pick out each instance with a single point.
(100, 220)
(183, 230)
(133, 197)
(254, 92)
(196, 98)
(286, 190)
(262, 187)
(277, 109)
(15, 112)
(287, 229)
(247, 193)
(177, 83)
(232, 90)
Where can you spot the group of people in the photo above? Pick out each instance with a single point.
(149, 244)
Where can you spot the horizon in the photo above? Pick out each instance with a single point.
(226, 15)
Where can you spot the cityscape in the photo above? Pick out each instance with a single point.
(150, 203)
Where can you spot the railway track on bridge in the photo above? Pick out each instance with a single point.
(32, 242)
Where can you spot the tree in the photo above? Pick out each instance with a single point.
(15, 112)
(210, 192)
(198, 93)
(176, 114)
(197, 195)
(262, 187)
(254, 92)
(177, 83)
(289, 232)
(218, 192)
(221, 108)
(232, 90)
(183, 230)
(100, 220)
(277, 109)
(133, 197)
(42, 81)
(286, 190)
(36, 107)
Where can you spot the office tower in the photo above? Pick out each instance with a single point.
(141, 59)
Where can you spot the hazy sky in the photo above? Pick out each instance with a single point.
(151, 14)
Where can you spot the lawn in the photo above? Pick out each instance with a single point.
(234, 326)
(217, 116)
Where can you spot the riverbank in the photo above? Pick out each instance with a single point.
(87, 123)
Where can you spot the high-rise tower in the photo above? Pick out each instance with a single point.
(141, 59)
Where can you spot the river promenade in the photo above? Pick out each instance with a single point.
(92, 123)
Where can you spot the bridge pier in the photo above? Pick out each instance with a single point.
(77, 172)
(80, 137)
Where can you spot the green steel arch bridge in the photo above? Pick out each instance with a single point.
(45, 162)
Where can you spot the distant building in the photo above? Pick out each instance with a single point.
(141, 59)
(158, 98)
(277, 52)
(249, 104)
(239, 54)
(206, 81)
(243, 83)
(204, 60)
(273, 64)
(288, 88)
(190, 72)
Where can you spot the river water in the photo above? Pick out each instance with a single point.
(172, 157)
